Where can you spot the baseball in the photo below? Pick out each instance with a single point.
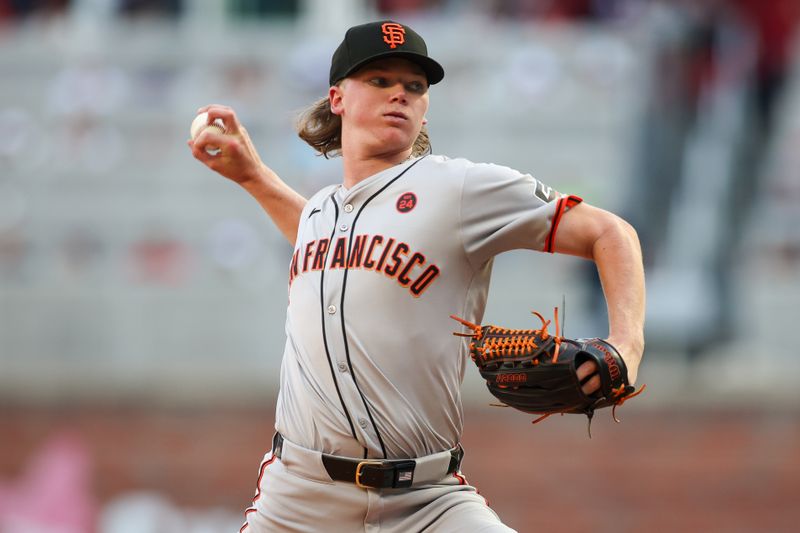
(200, 123)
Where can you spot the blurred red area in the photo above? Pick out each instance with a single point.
(656, 471)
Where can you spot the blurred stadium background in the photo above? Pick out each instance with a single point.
(142, 297)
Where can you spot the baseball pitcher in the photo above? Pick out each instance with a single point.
(369, 415)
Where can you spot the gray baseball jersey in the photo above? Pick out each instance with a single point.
(369, 368)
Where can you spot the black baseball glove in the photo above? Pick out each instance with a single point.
(535, 371)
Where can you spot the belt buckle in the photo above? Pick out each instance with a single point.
(360, 466)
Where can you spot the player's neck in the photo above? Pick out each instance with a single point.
(359, 167)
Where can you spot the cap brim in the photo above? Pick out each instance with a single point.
(433, 70)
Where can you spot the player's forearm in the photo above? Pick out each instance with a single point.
(282, 203)
(618, 257)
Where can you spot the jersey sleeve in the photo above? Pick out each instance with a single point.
(503, 209)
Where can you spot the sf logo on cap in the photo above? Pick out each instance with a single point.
(393, 34)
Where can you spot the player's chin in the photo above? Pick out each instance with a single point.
(404, 133)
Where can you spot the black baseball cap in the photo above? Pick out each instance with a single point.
(377, 40)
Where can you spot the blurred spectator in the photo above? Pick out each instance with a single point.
(14, 257)
(263, 8)
(152, 512)
(81, 250)
(544, 10)
(718, 72)
(24, 8)
(773, 25)
(234, 245)
(21, 129)
(88, 88)
(14, 205)
(151, 8)
(158, 259)
(401, 7)
(54, 491)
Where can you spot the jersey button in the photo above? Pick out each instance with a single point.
(331, 309)
(343, 227)
(342, 367)
(348, 208)
(362, 422)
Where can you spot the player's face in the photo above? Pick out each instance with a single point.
(382, 106)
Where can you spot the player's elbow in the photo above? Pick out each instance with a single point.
(627, 230)
(616, 233)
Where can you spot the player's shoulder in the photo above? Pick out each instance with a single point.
(446, 167)
(446, 162)
(479, 179)
(463, 165)
(470, 175)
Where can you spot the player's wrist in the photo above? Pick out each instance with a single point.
(631, 349)
(257, 176)
(630, 345)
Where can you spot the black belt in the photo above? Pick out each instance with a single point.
(373, 473)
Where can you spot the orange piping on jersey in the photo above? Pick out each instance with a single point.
(564, 203)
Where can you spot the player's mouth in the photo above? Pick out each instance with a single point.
(396, 116)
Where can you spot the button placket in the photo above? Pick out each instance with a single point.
(351, 396)
(347, 208)
(335, 224)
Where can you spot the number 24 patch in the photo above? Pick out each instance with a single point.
(406, 202)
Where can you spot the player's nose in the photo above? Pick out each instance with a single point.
(399, 98)
(399, 94)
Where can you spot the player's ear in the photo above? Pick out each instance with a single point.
(335, 99)
(424, 121)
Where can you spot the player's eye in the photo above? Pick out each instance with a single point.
(416, 87)
(379, 81)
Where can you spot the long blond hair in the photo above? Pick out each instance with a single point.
(322, 130)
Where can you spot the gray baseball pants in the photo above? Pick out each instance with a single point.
(296, 494)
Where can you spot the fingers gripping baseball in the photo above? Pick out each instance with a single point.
(227, 149)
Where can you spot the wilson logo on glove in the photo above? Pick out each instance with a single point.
(512, 378)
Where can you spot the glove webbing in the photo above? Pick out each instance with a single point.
(498, 344)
